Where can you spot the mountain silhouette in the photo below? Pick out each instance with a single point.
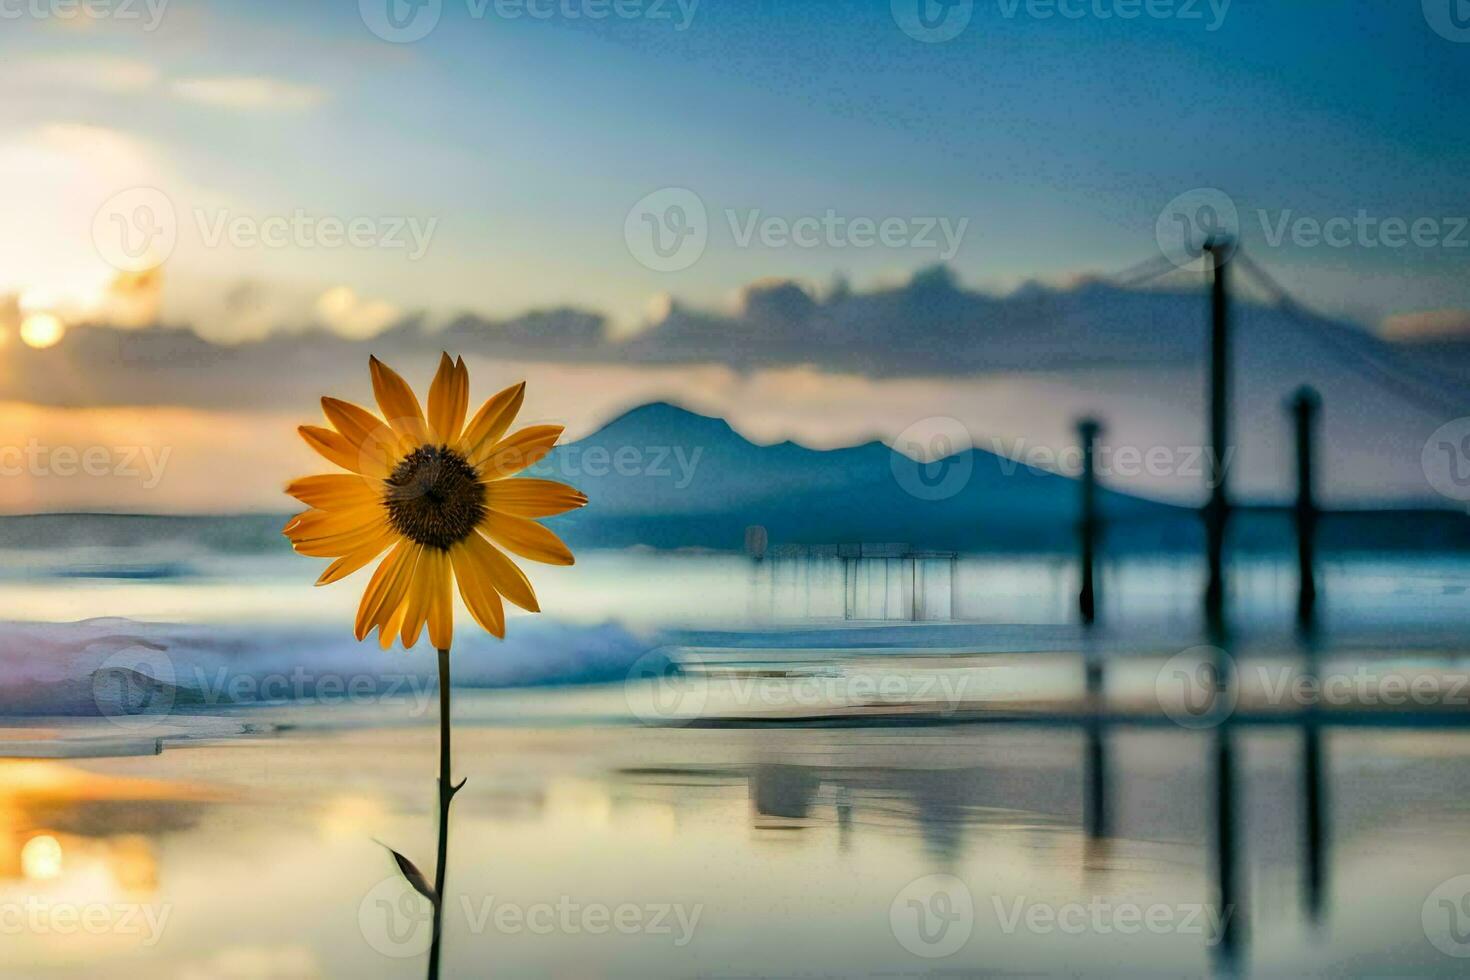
(666, 477)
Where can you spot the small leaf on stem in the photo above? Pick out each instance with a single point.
(413, 875)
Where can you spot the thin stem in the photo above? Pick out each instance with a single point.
(446, 794)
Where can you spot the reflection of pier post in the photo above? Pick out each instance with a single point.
(1314, 805)
(782, 791)
(1095, 762)
(1096, 769)
(843, 805)
(1087, 433)
(1232, 909)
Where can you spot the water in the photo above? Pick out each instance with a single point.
(794, 853)
(697, 765)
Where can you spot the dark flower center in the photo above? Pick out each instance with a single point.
(434, 497)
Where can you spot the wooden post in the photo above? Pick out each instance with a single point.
(1218, 509)
(1304, 408)
(1087, 432)
(1227, 854)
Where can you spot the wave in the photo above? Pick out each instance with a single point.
(132, 671)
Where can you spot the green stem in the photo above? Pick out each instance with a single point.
(446, 794)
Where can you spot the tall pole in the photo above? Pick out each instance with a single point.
(1218, 509)
(1087, 528)
(1304, 410)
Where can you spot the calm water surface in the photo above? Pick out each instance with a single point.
(586, 851)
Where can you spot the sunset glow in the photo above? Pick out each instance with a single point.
(41, 330)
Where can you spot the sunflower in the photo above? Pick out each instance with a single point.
(437, 495)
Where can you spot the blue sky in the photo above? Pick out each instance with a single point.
(526, 140)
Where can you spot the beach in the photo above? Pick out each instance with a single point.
(581, 849)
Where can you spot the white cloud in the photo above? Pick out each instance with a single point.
(85, 72)
(249, 92)
(342, 310)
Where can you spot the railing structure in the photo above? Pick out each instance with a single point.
(859, 581)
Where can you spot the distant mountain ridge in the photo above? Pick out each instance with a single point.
(662, 476)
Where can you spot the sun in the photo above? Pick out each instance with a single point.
(41, 330)
(40, 859)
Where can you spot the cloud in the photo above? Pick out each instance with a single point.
(342, 310)
(929, 327)
(1428, 325)
(253, 92)
(786, 362)
(132, 299)
(85, 72)
(114, 74)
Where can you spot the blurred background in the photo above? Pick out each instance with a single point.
(1028, 451)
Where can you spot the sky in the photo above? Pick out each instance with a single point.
(520, 138)
(252, 169)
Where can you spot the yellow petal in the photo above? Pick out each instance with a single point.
(385, 592)
(432, 570)
(372, 596)
(363, 429)
(449, 399)
(330, 445)
(311, 524)
(441, 610)
(526, 538)
(398, 403)
(389, 629)
(492, 420)
(357, 557)
(336, 491)
(521, 450)
(476, 587)
(317, 533)
(335, 448)
(509, 580)
(528, 497)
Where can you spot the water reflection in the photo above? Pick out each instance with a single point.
(800, 837)
(59, 821)
(947, 806)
